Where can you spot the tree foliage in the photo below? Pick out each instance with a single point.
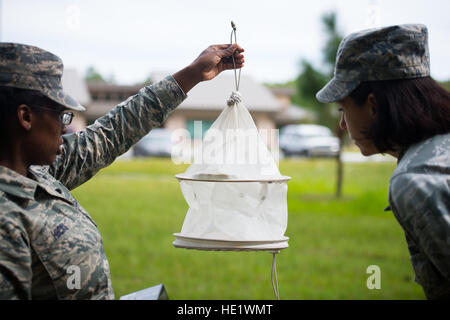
(311, 79)
(309, 82)
(334, 39)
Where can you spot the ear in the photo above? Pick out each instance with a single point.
(372, 104)
(25, 117)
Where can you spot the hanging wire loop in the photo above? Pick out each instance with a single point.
(236, 78)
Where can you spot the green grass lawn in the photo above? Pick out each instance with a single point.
(138, 205)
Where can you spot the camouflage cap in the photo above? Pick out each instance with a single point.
(28, 67)
(395, 52)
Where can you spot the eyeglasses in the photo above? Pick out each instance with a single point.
(65, 117)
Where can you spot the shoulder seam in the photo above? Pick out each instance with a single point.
(415, 170)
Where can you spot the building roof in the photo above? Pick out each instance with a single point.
(293, 114)
(75, 86)
(213, 94)
(102, 87)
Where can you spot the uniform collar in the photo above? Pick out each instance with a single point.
(15, 184)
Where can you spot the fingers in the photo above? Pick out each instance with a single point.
(238, 59)
(230, 65)
(227, 52)
(232, 47)
(219, 57)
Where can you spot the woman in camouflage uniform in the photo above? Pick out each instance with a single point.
(45, 234)
(390, 104)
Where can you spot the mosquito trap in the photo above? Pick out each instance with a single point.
(236, 195)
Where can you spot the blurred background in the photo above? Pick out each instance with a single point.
(148, 36)
(337, 226)
(111, 48)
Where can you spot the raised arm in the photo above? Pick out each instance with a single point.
(85, 152)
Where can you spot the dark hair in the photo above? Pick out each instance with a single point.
(408, 111)
(10, 98)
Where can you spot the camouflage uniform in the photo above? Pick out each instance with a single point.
(419, 196)
(29, 67)
(44, 230)
(395, 52)
(419, 192)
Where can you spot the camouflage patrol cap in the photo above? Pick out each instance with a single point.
(395, 52)
(28, 67)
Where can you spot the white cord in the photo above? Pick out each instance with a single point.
(235, 98)
(274, 272)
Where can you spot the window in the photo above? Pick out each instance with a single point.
(198, 128)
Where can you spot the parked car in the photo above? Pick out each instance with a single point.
(308, 140)
(157, 143)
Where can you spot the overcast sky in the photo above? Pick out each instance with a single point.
(131, 39)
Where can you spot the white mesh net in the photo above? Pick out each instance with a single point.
(235, 190)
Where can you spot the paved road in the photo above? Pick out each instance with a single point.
(358, 157)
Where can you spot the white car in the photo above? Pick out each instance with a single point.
(308, 140)
(157, 143)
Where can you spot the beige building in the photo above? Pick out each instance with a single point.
(74, 84)
(270, 109)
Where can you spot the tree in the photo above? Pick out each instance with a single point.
(92, 75)
(329, 52)
(311, 80)
(334, 39)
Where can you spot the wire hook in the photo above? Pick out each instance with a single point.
(233, 32)
(233, 25)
